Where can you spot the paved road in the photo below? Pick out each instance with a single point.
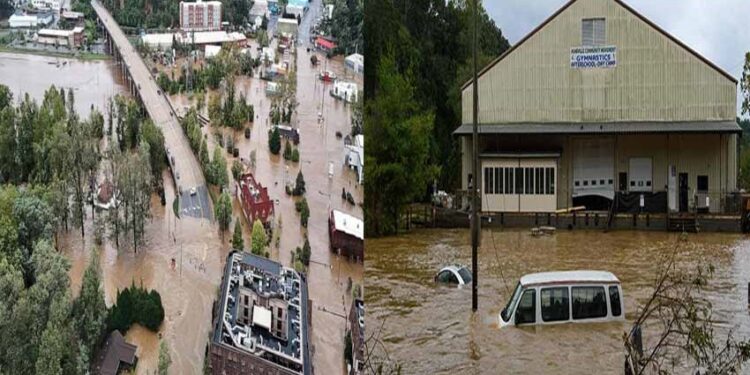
(185, 166)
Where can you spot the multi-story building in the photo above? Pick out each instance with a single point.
(64, 38)
(254, 199)
(53, 5)
(262, 322)
(200, 15)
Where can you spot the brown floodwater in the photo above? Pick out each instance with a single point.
(93, 82)
(328, 274)
(430, 329)
(187, 290)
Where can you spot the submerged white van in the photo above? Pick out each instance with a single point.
(567, 296)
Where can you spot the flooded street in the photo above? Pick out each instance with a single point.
(328, 274)
(93, 82)
(435, 324)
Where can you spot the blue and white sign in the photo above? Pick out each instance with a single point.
(593, 57)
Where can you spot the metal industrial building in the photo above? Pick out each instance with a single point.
(598, 104)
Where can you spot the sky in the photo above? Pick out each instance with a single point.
(715, 29)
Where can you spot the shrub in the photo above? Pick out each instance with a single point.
(136, 305)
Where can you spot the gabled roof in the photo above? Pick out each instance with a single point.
(117, 351)
(629, 9)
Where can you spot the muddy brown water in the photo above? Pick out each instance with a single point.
(430, 329)
(93, 82)
(187, 290)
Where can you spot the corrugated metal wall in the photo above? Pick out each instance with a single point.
(654, 80)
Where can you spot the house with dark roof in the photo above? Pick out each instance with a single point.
(116, 355)
(600, 108)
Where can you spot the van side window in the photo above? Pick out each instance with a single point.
(614, 301)
(526, 310)
(589, 302)
(555, 305)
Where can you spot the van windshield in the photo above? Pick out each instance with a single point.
(508, 310)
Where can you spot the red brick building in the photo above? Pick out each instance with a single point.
(347, 234)
(256, 204)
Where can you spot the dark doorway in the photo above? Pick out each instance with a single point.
(683, 185)
(623, 181)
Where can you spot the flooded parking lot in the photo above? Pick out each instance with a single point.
(430, 328)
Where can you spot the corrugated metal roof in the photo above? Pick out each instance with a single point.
(604, 128)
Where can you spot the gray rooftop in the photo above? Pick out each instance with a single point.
(277, 282)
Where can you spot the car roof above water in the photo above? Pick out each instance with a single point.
(569, 277)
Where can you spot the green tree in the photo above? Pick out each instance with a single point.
(153, 135)
(304, 211)
(204, 154)
(299, 185)
(90, 310)
(237, 242)
(259, 238)
(397, 161)
(274, 141)
(223, 212)
(165, 359)
(237, 169)
(214, 109)
(221, 177)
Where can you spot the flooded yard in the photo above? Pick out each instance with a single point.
(429, 328)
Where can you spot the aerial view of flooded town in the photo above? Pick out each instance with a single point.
(551, 187)
(183, 191)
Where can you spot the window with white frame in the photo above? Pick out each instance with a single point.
(593, 32)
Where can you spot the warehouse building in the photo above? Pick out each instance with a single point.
(599, 105)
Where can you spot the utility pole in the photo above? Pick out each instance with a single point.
(475, 170)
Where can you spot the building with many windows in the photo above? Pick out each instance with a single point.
(600, 105)
(200, 15)
(261, 326)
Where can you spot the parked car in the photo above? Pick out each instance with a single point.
(561, 297)
(454, 274)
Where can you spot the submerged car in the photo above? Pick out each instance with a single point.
(562, 297)
(455, 274)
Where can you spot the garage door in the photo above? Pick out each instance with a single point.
(519, 185)
(593, 167)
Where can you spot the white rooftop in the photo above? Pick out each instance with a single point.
(581, 276)
(262, 317)
(288, 20)
(212, 51)
(356, 57)
(207, 37)
(59, 33)
(349, 224)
